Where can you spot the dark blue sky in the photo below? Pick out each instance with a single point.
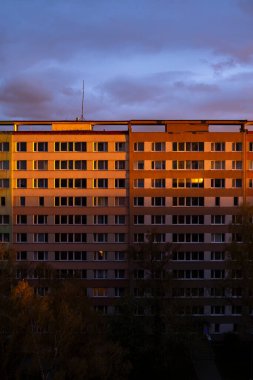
(172, 59)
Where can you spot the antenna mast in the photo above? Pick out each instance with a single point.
(82, 117)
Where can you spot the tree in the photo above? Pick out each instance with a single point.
(147, 324)
(57, 336)
(240, 268)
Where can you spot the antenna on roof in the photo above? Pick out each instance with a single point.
(82, 117)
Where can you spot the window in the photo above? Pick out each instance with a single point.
(217, 219)
(218, 238)
(217, 255)
(70, 256)
(41, 183)
(120, 165)
(40, 219)
(40, 256)
(188, 182)
(101, 165)
(100, 201)
(119, 273)
(188, 238)
(237, 165)
(217, 201)
(70, 146)
(237, 147)
(100, 237)
(100, 219)
(100, 273)
(218, 165)
(120, 146)
(2, 201)
(22, 201)
(21, 165)
(119, 255)
(4, 238)
(40, 165)
(100, 256)
(4, 147)
(121, 201)
(158, 165)
(71, 219)
(236, 182)
(21, 219)
(120, 183)
(236, 201)
(188, 201)
(40, 147)
(119, 292)
(99, 292)
(120, 237)
(5, 183)
(21, 256)
(159, 238)
(139, 183)
(80, 165)
(139, 147)
(120, 219)
(40, 237)
(70, 238)
(4, 165)
(22, 183)
(217, 273)
(188, 165)
(139, 237)
(100, 183)
(138, 219)
(100, 147)
(21, 237)
(41, 201)
(218, 147)
(80, 146)
(158, 146)
(21, 146)
(139, 165)
(158, 201)
(187, 219)
(188, 146)
(157, 219)
(158, 183)
(63, 165)
(188, 256)
(70, 183)
(217, 309)
(218, 182)
(4, 219)
(188, 274)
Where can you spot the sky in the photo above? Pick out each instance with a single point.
(138, 59)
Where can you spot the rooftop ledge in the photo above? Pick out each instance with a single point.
(127, 125)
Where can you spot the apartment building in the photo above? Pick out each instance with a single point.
(77, 194)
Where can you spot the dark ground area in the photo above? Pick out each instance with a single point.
(233, 359)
